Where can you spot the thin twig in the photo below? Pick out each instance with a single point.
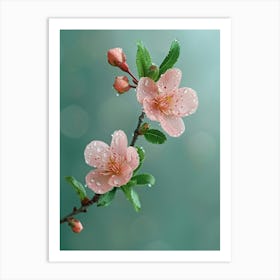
(82, 209)
(134, 79)
(136, 131)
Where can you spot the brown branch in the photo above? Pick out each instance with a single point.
(136, 131)
(82, 209)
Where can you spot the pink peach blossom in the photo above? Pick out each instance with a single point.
(114, 164)
(121, 84)
(165, 102)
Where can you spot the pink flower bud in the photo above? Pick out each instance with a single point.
(116, 57)
(121, 84)
(76, 225)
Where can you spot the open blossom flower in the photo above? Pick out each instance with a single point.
(114, 164)
(165, 102)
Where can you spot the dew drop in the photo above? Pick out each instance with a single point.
(99, 149)
(117, 94)
(92, 180)
(98, 184)
(116, 182)
(149, 185)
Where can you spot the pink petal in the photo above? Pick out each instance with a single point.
(132, 157)
(121, 179)
(146, 88)
(119, 143)
(98, 182)
(185, 102)
(96, 153)
(170, 80)
(151, 111)
(174, 126)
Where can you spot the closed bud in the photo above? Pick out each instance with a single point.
(121, 84)
(75, 225)
(116, 57)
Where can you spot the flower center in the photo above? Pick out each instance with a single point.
(114, 164)
(163, 103)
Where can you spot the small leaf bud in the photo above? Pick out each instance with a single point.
(144, 128)
(153, 72)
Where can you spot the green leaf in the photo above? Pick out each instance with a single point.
(132, 196)
(144, 179)
(131, 183)
(143, 60)
(155, 136)
(141, 154)
(171, 58)
(77, 186)
(106, 198)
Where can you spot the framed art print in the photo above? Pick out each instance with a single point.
(139, 139)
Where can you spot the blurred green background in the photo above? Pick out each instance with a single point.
(182, 211)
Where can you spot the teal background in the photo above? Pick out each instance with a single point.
(182, 211)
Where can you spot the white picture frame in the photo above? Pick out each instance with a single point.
(255, 140)
(223, 25)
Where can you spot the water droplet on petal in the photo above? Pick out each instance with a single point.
(98, 184)
(149, 185)
(92, 180)
(99, 149)
(116, 182)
